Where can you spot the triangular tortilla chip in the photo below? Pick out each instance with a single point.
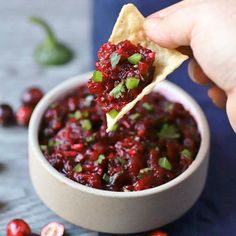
(129, 25)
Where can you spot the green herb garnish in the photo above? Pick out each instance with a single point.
(168, 131)
(97, 76)
(164, 163)
(86, 124)
(147, 106)
(78, 115)
(78, 168)
(134, 116)
(122, 161)
(101, 157)
(114, 58)
(135, 58)
(113, 113)
(187, 154)
(117, 91)
(51, 52)
(131, 82)
(85, 114)
(106, 178)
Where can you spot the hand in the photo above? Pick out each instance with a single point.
(208, 28)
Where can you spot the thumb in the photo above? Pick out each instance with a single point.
(173, 30)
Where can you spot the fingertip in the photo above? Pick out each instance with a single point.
(217, 96)
(153, 29)
(196, 73)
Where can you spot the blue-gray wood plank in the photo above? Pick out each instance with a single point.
(18, 70)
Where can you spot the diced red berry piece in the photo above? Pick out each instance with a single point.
(53, 229)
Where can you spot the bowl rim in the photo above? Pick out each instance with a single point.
(64, 88)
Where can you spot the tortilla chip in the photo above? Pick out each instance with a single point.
(129, 26)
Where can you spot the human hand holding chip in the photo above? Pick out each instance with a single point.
(208, 27)
(129, 66)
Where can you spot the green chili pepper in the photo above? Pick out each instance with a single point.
(51, 52)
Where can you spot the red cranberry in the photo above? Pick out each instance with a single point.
(18, 227)
(53, 229)
(158, 233)
(6, 115)
(23, 115)
(31, 96)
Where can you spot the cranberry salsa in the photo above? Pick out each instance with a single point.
(122, 71)
(149, 146)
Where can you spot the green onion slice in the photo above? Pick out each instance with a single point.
(117, 91)
(106, 178)
(97, 76)
(86, 124)
(168, 131)
(187, 154)
(147, 106)
(78, 168)
(131, 82)
(101, 157)
(114, 58)
(113, 113)
(164, 163)
(135, 58)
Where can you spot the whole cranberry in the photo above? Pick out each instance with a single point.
(31, 96)
(158, 233)
(6, 115)
(53, 229)
(23, 115)
(18, 227)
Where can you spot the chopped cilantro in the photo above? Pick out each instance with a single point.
(114, 58)
(187, 154)
(164, 163)
(117, 91)
(168, 131)
(101, 157)
(106, 178)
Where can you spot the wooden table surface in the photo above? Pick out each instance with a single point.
(18, 70)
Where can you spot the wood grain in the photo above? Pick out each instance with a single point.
(18, 70)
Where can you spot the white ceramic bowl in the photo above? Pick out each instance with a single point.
(117, 212)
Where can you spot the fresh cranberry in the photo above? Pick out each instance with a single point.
(31, 96)
(23, 115)
(18, 227)
(34, 234)
(6, 115)
(158, 233)
(53, 229)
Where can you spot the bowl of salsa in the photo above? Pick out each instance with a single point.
(146, 172)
